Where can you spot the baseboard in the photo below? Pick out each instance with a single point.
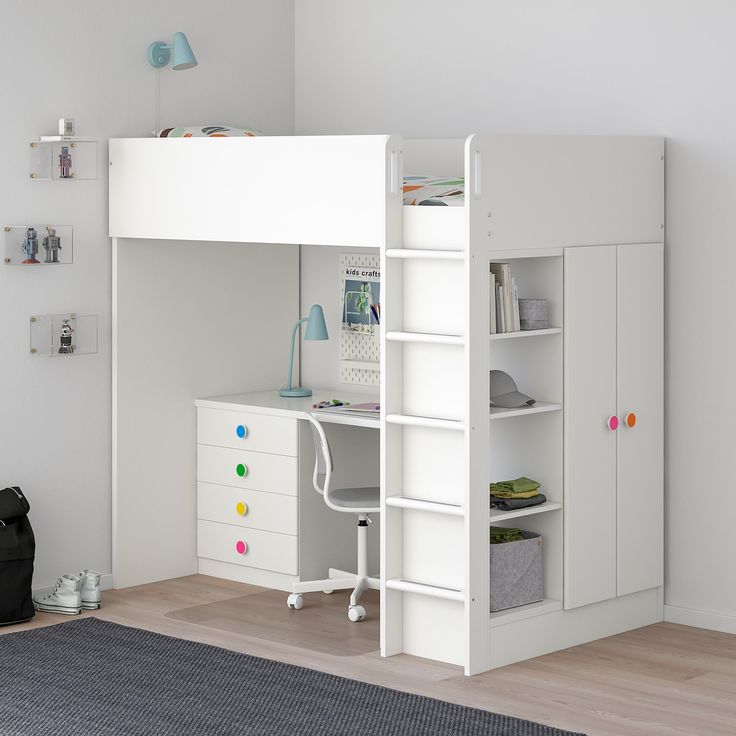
(105, 584)
(700, 619)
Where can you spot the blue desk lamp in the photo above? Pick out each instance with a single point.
(316, 330)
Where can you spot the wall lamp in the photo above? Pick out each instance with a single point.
(159, 53)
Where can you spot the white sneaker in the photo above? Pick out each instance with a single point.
(91, 593)
(65, 598)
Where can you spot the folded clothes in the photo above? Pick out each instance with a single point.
(501, 535)
(509, 494)
(510, 504)
(518, 488)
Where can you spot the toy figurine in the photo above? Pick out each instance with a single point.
(65, 339)
(30, 245)
(52, 245)
(65, 163)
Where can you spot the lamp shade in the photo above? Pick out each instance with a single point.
(183, 55)
(316, 327)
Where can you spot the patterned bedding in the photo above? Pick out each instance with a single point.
(434, 191)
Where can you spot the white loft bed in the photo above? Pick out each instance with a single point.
(182, 329)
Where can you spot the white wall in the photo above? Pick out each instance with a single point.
(662, 67)
(86, 60)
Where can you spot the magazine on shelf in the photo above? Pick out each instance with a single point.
(506, 299)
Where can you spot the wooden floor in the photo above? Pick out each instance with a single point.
(666, 679)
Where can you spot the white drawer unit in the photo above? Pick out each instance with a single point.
(243, 430)
(256, 471)
(249, 547)
(270, 512)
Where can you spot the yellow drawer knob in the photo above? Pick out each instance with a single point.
(241, 508)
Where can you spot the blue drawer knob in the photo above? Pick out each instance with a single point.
(241, 431)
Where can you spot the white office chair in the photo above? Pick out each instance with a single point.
(360, 501)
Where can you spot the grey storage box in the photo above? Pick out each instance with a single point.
(516, 572)
(533, 314)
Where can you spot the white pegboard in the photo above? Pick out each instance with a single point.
(360, 343)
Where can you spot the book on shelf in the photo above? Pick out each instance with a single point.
(494, 329)
(505, 305)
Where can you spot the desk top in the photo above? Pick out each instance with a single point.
(269, 402)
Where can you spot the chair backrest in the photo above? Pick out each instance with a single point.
(323, 464)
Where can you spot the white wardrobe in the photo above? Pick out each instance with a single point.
(613, 421)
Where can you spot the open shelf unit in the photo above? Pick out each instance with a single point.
(529, 441)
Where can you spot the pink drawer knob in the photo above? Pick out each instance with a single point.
(241, 547)
(612, 422)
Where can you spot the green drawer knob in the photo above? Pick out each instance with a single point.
(241, 470)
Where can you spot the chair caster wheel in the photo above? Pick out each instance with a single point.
(328, 592)
(295, 601)
(356, 613)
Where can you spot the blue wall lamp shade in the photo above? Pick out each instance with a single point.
(316, 330)
(159, 53)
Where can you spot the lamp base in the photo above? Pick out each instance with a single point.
(295, 392)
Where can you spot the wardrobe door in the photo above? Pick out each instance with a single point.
(590, 426)
(640, 404)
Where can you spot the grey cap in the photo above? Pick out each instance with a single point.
(505, 394)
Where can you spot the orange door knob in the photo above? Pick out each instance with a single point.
(630, 420)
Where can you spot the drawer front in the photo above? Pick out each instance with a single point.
(248, 547)
(257, 471)
(270, 512)
(256, 432)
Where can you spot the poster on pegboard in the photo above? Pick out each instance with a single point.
(360, 299)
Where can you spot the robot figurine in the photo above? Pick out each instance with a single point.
(52, 245)
(30, 245)
(65, 339)
(65, 163)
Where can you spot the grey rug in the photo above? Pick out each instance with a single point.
(99, 678)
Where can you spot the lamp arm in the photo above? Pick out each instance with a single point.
(291, 352)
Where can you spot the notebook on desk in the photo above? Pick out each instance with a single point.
(366, 409)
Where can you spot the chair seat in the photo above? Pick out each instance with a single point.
(368, 499)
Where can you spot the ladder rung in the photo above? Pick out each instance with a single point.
(402, 502)
(441, 255)
(431, 590)
(425, 337)
(412, 421)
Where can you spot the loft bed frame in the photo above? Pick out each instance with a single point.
(184, 289)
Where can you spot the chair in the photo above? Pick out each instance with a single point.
(360, 501)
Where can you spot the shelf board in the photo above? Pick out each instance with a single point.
(510, 615)
(499, 515)
(525, 333)
(539, 408)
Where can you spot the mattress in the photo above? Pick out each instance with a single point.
(434, 191)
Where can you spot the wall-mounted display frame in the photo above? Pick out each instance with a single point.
(38, 245)
(64, 159)
(63, 335)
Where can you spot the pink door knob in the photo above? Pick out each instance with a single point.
(612, 422)
(241, 547)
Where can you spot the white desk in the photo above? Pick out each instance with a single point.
(259, 519)
(269, 402)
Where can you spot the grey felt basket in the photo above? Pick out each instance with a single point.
(516, 572)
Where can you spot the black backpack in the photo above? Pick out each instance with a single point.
(17, 549)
